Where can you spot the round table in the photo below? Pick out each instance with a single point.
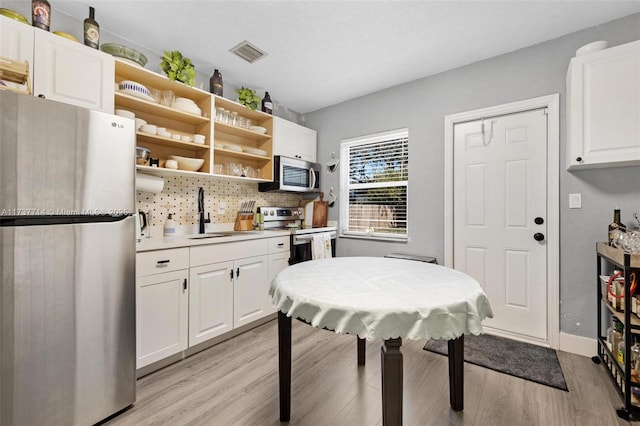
(380, 299)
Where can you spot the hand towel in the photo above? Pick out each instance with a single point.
(326, 236)
(317, 246)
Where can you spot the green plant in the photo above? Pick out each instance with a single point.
(248, 98)
(178, 67)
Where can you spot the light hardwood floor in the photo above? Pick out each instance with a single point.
(236, 383)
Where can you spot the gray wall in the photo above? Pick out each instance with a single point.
(422, 105)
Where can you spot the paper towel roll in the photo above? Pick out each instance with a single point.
(148, 183)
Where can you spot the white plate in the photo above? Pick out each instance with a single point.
(218, 145)
(183, 100)
(232, 147)
(255, 151)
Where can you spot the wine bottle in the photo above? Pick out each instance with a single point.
(91, 30)
(41, 14)
(215, 83)
(267, 105)
(615, 225)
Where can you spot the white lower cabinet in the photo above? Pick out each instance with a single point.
(187, 296)
(210, 301)
(249, 289)
(162, 304)
(278, 260)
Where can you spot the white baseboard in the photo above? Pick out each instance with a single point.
(578, 345)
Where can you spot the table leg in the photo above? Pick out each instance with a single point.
(391, 358)
(456, 373)
(284, 358)
(362, 351)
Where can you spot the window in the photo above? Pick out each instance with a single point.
(374, 179)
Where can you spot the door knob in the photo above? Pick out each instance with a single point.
(538, 220)
(538, 236)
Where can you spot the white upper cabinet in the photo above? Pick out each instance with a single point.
(293, 140)
(16, 41)
(70, 72)
(603, 108)
(60, 69)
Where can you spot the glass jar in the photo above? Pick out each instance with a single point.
(233, 118)
(219, 113)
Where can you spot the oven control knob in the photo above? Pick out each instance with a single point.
(295, 212)
(271, 213)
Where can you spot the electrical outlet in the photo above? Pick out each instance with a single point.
(222, 207)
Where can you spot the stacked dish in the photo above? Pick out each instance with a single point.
(186, 105)
(255, 151)
(126, 53)
(65, 35)
(232, 147)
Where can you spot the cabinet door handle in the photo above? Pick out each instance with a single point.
(238, 272)
(162, 263)
(280, 245)
(184, 285)
(231, 273)
(579, 159)
(41, 96)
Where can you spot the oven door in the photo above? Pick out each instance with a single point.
(301, 247)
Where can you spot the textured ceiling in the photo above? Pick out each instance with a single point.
(324, 52)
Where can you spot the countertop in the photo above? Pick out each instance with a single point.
(162, 243)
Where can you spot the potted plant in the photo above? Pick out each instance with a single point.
(178, 67)
(248, 98)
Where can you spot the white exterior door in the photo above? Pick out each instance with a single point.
(500, 217)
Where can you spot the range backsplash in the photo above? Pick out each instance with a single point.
(180, 197)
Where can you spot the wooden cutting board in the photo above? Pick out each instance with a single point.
(320, 213)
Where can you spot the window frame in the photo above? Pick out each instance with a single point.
(345, 185)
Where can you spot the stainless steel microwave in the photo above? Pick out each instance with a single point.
(292, 175)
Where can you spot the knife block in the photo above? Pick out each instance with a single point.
(244, 222)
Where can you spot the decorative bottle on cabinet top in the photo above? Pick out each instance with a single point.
(91, 30)
(267, 105)
(41, 14)
(215, 83)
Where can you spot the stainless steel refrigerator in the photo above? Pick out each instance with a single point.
(67, 263)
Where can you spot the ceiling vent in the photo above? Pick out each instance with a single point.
(248, 51)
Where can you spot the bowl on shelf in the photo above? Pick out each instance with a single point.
(198, 138)
(140, 122)
(188, 164)
(125, 113)
(149, 128)
(258, 129)
(136, 89)
(124, 52)
(142, 155)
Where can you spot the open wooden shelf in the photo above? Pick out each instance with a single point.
(161, 140)
(122, 100)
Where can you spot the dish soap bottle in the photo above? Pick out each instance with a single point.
(41, 14)
(169, 226)
(215, 83)
(267, 105)
(91, 30)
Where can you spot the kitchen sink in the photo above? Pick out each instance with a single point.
(207, 235)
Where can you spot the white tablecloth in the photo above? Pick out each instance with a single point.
(382, 298)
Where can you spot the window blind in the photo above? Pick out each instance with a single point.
(375, 181)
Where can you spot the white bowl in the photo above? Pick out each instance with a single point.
(198, 138)
(171, 164)
(149, 128)
(164, 134)
(125, 113)
(186, 163)
(183, 101)
(135, 89)
(186, 139)
(140, 122)
(592, 47)
(258, 129)
(176, 137)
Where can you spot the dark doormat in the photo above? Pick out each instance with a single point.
(524, 360)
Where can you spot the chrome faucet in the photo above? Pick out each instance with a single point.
(201, 219)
